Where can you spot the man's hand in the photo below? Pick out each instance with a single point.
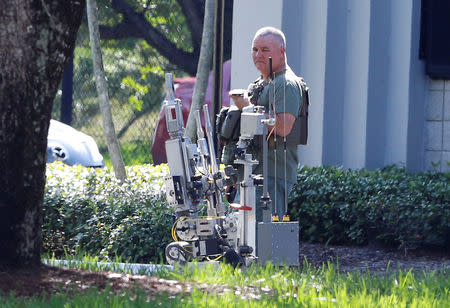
(240, 98)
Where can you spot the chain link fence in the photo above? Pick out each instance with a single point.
(135, 86)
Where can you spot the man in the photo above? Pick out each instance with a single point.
(282, 163)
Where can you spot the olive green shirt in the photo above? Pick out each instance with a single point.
(287, 99)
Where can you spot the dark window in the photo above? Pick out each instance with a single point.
(435, 38)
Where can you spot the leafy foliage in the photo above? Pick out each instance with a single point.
(167, 17)
(345, 206)
(86, 210)
(135, 82)
(135, 73)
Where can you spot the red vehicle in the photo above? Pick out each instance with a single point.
(184, 89)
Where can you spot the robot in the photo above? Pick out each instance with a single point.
(196, 183)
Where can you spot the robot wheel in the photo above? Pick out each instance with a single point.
(178, 252)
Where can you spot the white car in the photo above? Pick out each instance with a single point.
(72, 147)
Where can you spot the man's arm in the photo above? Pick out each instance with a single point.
(283, 123)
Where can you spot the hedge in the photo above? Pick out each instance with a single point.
(87, 211)
(391, 205)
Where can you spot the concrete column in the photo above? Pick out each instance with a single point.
(379, 42)
(356, 77)
(398, 85)
(335, 82)
(313, 26)
(292, 28)
(417, 90)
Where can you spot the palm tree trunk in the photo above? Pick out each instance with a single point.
(102, 90)
(203, 68)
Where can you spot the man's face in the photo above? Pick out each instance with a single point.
(263, 48)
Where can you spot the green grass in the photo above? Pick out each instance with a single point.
(270, 286)
(326, 287)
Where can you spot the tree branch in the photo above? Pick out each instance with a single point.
(194, 18)
(119, 31)
(186, 61)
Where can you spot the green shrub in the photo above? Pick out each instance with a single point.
(87, 211)
(355, 207)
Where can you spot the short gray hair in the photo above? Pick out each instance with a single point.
(278, 34)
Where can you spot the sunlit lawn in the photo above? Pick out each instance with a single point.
(271, 286)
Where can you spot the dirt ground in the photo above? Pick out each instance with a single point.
(50, 280)
(374, 258)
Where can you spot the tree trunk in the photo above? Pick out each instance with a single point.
(102, 90)
(203, 68)
(36, 39)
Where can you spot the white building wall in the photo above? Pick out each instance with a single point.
(248, 17)
(373, 117)
(445, 162)
(437, 125)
